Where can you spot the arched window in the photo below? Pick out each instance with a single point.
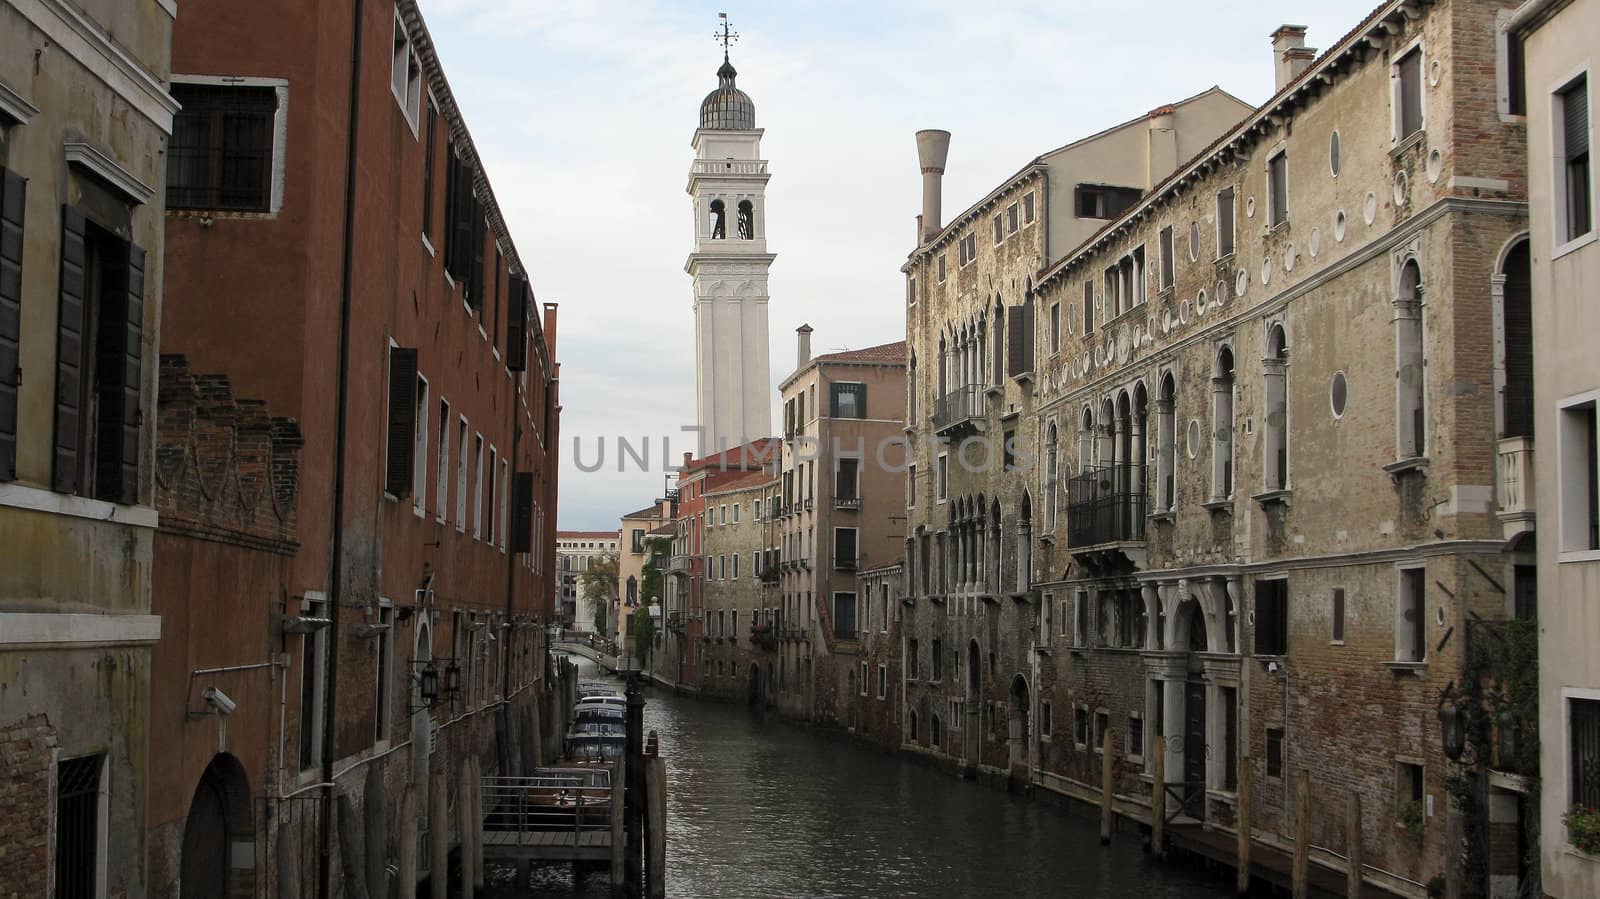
(1410, 433)
(944, 368)
(1086, 441)
(1166, 440)
(747, 221)
(1516, 316)
(911, 389)
(1025, 543)
(994, 546)
(1276, 431)
(1052, 487)
(999, 332)
(936, 733)
(1222, 384)
(719, 223)
(911, 724)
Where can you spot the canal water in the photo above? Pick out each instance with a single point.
(763, 808)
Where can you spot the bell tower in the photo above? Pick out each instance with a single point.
(729, 265)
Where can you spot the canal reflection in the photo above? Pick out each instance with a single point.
(763, 808)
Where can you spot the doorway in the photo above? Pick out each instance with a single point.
(219, 834)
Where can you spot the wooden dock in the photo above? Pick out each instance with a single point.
(564, 845)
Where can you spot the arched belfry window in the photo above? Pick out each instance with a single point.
(1410, 435)
(1516, 315)
(719, 223)
(747, 220)
(1222, 382)
(1276, 432)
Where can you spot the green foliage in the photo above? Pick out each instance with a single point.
(1408, 814)
(599, 583)
(644, 634)
(1583, 828)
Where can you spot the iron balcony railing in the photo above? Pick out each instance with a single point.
(958, 408)
(1106, 504)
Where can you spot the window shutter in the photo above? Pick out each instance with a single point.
(125, 363)
(13, 191)
(861, 400)
(1014, 352)
(517, 326)
(1575, 109)
(402, 420)
(69, 351)
(475, 280)
(522, 512)
(1029, 332)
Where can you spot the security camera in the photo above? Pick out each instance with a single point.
(219, 701)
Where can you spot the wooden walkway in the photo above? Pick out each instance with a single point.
(554, 845)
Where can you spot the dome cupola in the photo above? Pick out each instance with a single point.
(727, 108)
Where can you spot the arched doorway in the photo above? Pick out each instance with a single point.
(1019, 721)
(1190, 638)
(219, 838)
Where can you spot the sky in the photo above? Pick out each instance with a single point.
(583, 112)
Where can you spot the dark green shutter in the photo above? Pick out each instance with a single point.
(475, 281)
(517, 325)
(13, 192)
(1575, 119)
(69, 351)
(1029, 331)
(522, 512)
(1015, 322)
(402, 421)
(124, 364)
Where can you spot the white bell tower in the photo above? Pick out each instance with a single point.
(729, 264)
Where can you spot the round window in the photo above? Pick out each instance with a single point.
(1194, 437)
(1338, 393)
(1333, 154)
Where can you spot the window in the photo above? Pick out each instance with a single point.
(735, 565)
(938, 660)
(1225, 224)
(1080, 727)
(1102, 727)
(505, 505)
(637, 540)
(883, 680)
(883, 596)
(1275, 430)
(313, 649)
(419, 459)
(1099, 201)
(1011, 219)
(1410, 432)
(1080, 622)
(99, 342)
(1573, 134)
(941, 268)
(1046, 720)
(405, 80)
(430, 136)
(1027, 208)
(402, 468)
(385, 674)
(1278, 189)
(461, 476)
(1409, 790)
(1275, 752)
(1408, 94)
(441, 500)
(477, 487)
(1411, 622)
(1580, 478)
(80, 827)
(847, 400)
(1166, 445)
(1135, 748)
(220, 156)
(911, 486)
(493, 506)
(1272, 617)
(912, 666)
(943, 477)
(1166, 258)
(463, 226)
(1222, 425)
(999, 229)
(1088, 306)
(1583, 748)
(844, 618)
(1055, 327)
(1338, 614)
(847, 479)
(844, 548)
(911, 291)
(736, 512)
(747, 221)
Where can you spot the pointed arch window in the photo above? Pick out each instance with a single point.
(1052, 480)
(1222, 388)
(1276, 432)
(1516, 419)
(1410, 433)
(747, 220)
(1166, 440)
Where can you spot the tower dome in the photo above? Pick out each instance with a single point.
(727, 108)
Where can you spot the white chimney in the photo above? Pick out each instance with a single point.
(802, 346)
(933, 148)
(1290, 55)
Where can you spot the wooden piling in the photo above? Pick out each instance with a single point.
(350, 848)
(288, 863)
(616, 828)
(408, 842)
(469, 879)
(1247, 777)
(475, 765)
(439, 837)
(1352, 845)
(655, 772)
(375, 831)
(1302, 834)
(1158, 797)
(1105, 787)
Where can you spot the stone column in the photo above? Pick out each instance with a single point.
(1172, 728)
(1152, 613)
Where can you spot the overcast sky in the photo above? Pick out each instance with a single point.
(583, 113)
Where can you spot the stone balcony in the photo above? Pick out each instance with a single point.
(1514, 475)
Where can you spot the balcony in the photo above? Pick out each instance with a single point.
(679, 564)
(847, 502)
(1515, 494)
(730, 167)
(959, 411)
(1106, 505)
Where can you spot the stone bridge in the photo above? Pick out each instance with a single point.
(608, 662)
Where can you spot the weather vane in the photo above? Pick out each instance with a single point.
(727, 36)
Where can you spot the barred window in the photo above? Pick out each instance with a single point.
(220, 156)
(78, 823)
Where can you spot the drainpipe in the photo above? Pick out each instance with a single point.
(336, 557)
(511, 559)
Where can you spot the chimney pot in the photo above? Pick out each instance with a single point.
(802, 348)
(1290, 55)
(933, 148)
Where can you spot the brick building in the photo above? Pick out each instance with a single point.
(84, 119)
(741, 550)
(375, 297)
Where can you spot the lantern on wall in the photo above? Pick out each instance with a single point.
(1452, 730)
(428, 684)
(452, 679)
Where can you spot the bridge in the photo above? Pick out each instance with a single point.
(581, 648)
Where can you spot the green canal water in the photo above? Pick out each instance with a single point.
(758, 807)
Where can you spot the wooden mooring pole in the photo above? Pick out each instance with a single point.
(1158, 797)
(1105, 788)
(439, 838)
(1352, 844)
(408, 843)
(1247, 776)
(655, 773)
(465, 823)
(1302, 834)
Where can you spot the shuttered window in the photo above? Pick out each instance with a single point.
(1272, 618)
(522, 512)
(461, 211)
(1224, 223)
(1278, 188)
(517, 325)
(99, 358)
(402, 421)
(1020, 326)
(1584, 752)
(847, 400)
(1575, 150)
(1410, 94)
(13, 191)
(220, 155)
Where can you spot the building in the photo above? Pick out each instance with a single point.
(1561, 261)
(576, 553)
(374, 296)
(678, 654)
(875, 708)
(741, 539)
(728, 183)
(84, 120)
(842, 493)
(632, 556)
(971, 411)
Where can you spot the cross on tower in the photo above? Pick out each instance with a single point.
(726, 36)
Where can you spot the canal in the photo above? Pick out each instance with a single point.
(763, 808)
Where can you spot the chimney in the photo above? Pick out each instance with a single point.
(1163, 147)
(1290, 55)
(933, 146)
(802, 346)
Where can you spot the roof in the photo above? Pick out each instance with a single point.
(666, 530)
(586, 535)
(744, 482)
(757, 452)
(883, 352)
(651, 511)
(727, 108)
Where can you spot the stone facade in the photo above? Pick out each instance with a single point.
(742, 541)
(631, 557)
(577, 552)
